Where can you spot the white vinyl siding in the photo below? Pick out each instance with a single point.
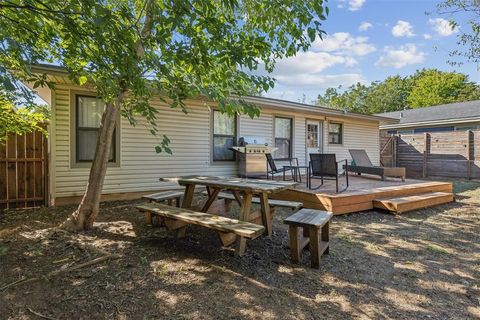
(356, 135)
(260, 127)
(190, 135)
(299, 137)
(140, 166)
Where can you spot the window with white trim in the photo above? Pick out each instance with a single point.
(224, 136)
(335, 133)
(283, 137)
(88, 117)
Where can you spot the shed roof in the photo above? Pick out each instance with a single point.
(450, 113)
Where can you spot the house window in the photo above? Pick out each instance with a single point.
(283, 138)
(224, 136)
(335, 132)
(88, 112)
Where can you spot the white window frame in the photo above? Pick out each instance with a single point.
(213, 135)
(74, 163)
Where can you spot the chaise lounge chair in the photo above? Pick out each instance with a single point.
(364, 165)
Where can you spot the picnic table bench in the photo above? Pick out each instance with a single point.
(294, 205)
(228, 229)
(163, 196)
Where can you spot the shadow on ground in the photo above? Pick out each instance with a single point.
(422, 265)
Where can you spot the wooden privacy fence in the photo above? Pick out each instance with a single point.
(437, 154)
(23, 171)
(388, 147)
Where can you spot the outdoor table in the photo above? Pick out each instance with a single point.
(297, 174)
(242, 189)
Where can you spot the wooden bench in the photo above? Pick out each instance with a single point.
(163, 196)
(228, 229)
(315, 225)
(229, 197)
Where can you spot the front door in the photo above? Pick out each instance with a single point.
(314, 137)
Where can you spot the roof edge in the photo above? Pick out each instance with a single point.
(271, 102)
(435, 122)
(50, 68)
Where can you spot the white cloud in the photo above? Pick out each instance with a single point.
(442, 27)
(364, 26)
(403, 29)
(427, 36)
(353, 5)
(305, 72)
(320, 81)
(401, 57)
(344, 43)
(311, 62)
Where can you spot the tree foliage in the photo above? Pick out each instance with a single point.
(468, 39)
(188, 49)
(433, 87)
(19, 120)
(427, 87)
(130, 50)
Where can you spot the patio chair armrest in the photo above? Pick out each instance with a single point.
(287, 159)
(346, 163)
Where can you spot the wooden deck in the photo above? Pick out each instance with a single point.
(368, 192)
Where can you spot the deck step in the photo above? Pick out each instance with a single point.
(409, 203)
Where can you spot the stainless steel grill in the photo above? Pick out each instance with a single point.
(252, 162)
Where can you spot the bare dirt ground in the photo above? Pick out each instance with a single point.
(420, 265)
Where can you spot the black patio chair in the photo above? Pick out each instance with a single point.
(324, 166)
(272, 169)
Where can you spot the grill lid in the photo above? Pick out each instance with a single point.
(254, 148)
(246, 140)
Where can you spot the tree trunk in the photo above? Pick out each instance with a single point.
(86, 213)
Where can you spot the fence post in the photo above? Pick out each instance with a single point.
(469, 153)
(425, 155)
(395, 151)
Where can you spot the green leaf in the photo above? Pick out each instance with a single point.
(82, 80)
(311, 34)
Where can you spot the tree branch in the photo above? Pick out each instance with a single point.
(11, 5)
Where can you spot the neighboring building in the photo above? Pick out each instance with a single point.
(447, 117)
(199, 139)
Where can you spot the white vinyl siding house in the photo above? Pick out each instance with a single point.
(137, 167)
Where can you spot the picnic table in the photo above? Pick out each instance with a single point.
(242, 189)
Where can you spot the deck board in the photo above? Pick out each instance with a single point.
(360, 195)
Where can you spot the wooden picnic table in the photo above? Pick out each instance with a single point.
(243, 191)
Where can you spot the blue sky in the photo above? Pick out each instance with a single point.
(369, 40)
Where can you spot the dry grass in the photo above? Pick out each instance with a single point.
(424, 264)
